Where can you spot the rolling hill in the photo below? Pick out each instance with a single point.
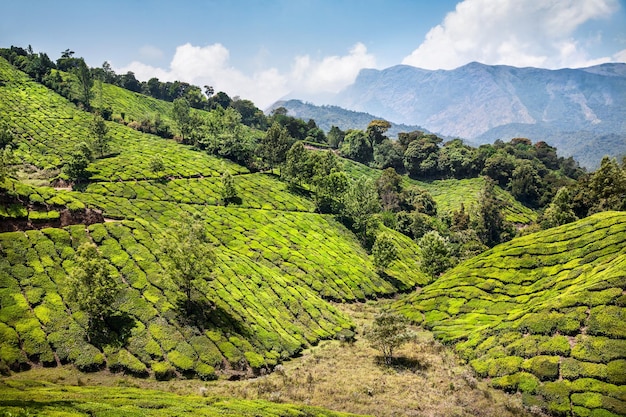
(543, 315)
(280, 269)
(270, 285)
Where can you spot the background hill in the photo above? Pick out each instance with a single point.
(329, 116)
(481, 103)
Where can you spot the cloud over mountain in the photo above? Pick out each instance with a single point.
(537, 33)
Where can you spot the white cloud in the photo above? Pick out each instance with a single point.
(620, 56)
(210, 65)
(332, 73)
(514, 32)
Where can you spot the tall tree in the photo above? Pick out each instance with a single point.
(384, 251)
(94, 285)
(435, 253)
(85, 83)
(228, 191)
(376, 130)
(189, 255)
(181, 113)
(389, 332)
(360, 203)
(99, 130)
(491, 226)
(274, 145)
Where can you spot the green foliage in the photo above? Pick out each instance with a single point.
(228, 191)
(93, 283)
(389, 332)
(189, 251)
(100, 142)
(435, 253)
(384, 251)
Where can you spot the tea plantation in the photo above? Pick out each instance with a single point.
(277, 262)
(544, 314)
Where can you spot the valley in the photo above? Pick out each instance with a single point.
(234, 271)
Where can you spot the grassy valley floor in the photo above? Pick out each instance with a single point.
(427, 380)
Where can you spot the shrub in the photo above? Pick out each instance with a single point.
(205, 372)
(89, 359)
(124, 361)
(616, 372)
(546, 368)
(163, 371)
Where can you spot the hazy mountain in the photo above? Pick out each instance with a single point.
(328, 116)
(482, 103)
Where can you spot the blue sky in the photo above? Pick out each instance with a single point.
(264, 49)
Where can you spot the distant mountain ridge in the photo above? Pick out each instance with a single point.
(481, 103)
(329, 116)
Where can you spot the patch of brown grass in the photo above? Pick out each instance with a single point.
(426, 379)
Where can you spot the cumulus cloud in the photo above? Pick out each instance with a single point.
(535, 33)
(332, 73)
(210, 65)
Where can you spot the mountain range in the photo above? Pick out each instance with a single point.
(581, 111)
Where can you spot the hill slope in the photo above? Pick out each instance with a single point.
(543, 314)
(278, 263)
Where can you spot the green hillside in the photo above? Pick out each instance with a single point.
(35, 398)
(277, 262)
(450, 194)
(543, 314)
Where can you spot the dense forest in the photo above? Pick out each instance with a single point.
(161, 229)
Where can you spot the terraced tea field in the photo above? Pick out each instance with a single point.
(277, 262)
(449, 194)
(544, 314)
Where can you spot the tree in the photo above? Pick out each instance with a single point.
(189, 254)
(389, 186)
(335, 137)
(274, 145)
(85, 83)
(296, 164)
(228, 191)
(181, 113)
(76, 166)
(435, 252)
(376, 130)
(93, 285)
(389, 332)
(608, 186)
(156, 165)
(99, 129)
(526, 184)
(491, 226)
(360, 203)
(422, 155)
(560, 210)
(384, 251)
(356, 146)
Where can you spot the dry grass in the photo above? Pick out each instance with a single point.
(426, 380)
